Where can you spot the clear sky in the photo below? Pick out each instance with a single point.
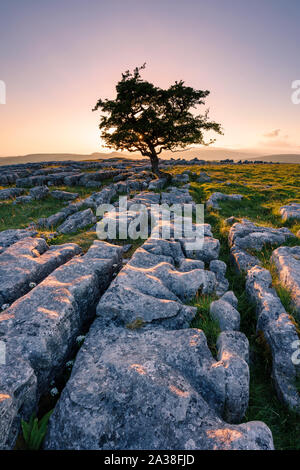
(57, 57)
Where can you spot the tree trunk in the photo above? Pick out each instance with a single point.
(160, 174)
(154, 163)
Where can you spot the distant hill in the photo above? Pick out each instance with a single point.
(280, 158)
(205, 153)
(48, 157)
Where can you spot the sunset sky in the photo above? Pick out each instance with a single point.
(58, 57)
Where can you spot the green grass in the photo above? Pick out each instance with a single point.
(260, 203)
(21, 215)
(204, 322)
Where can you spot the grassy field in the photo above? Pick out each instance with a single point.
(265, 189)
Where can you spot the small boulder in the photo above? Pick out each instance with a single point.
(39, 192)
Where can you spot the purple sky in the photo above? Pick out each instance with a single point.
(58, 57)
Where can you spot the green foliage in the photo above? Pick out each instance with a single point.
(149, 119)
(34, 431)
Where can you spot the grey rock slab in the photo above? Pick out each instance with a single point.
(10, 236)
(219, 268)
(227, 317)
(230, 297)
(242, 261)
(52, 220)
(145, 259)
(63, 195)
(124, 305)
(183, 178)
(290, 211)
(39, 192)
(233, 343)
(207, 249)
(77, 221)
(23, 200)
(18, 391)
(287, 262)
(176, 196)
(30, 260)
(203, 177)
(246, 235)
(145, 198)
(42, 326)
(186, 264)
(169, 248)
(30, 181)
(101, 197)
(233, 352)
(10, 193)
(157, 184)
(212, 202)
(93, 184)
(148, 390)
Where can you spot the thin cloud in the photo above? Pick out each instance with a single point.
(274, 133)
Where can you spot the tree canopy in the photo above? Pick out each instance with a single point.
(149, 119)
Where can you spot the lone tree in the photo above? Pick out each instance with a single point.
(148, 119)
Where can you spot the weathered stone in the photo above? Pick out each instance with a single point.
(30, 260)
(203, 177)
(186, 265)
(219, 268)
(93, 184)
(246, 235)
(176, 196)
(230, 298)
(233, 352)
(242, 260)
(42, 326)
(166, 382)
(10, 236)
(77, 221)
(227, 317)
(233, 343)
(287, 262)
(30, 181)
(18, 390)
(183, 178)
(102, 197)
(64, 195)
(10, 193)
(23, 200)
(207, 251)
(290, 211)
(212, 202)
(145, 198)
(39, 192)
(150, 289)
(157, 184)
